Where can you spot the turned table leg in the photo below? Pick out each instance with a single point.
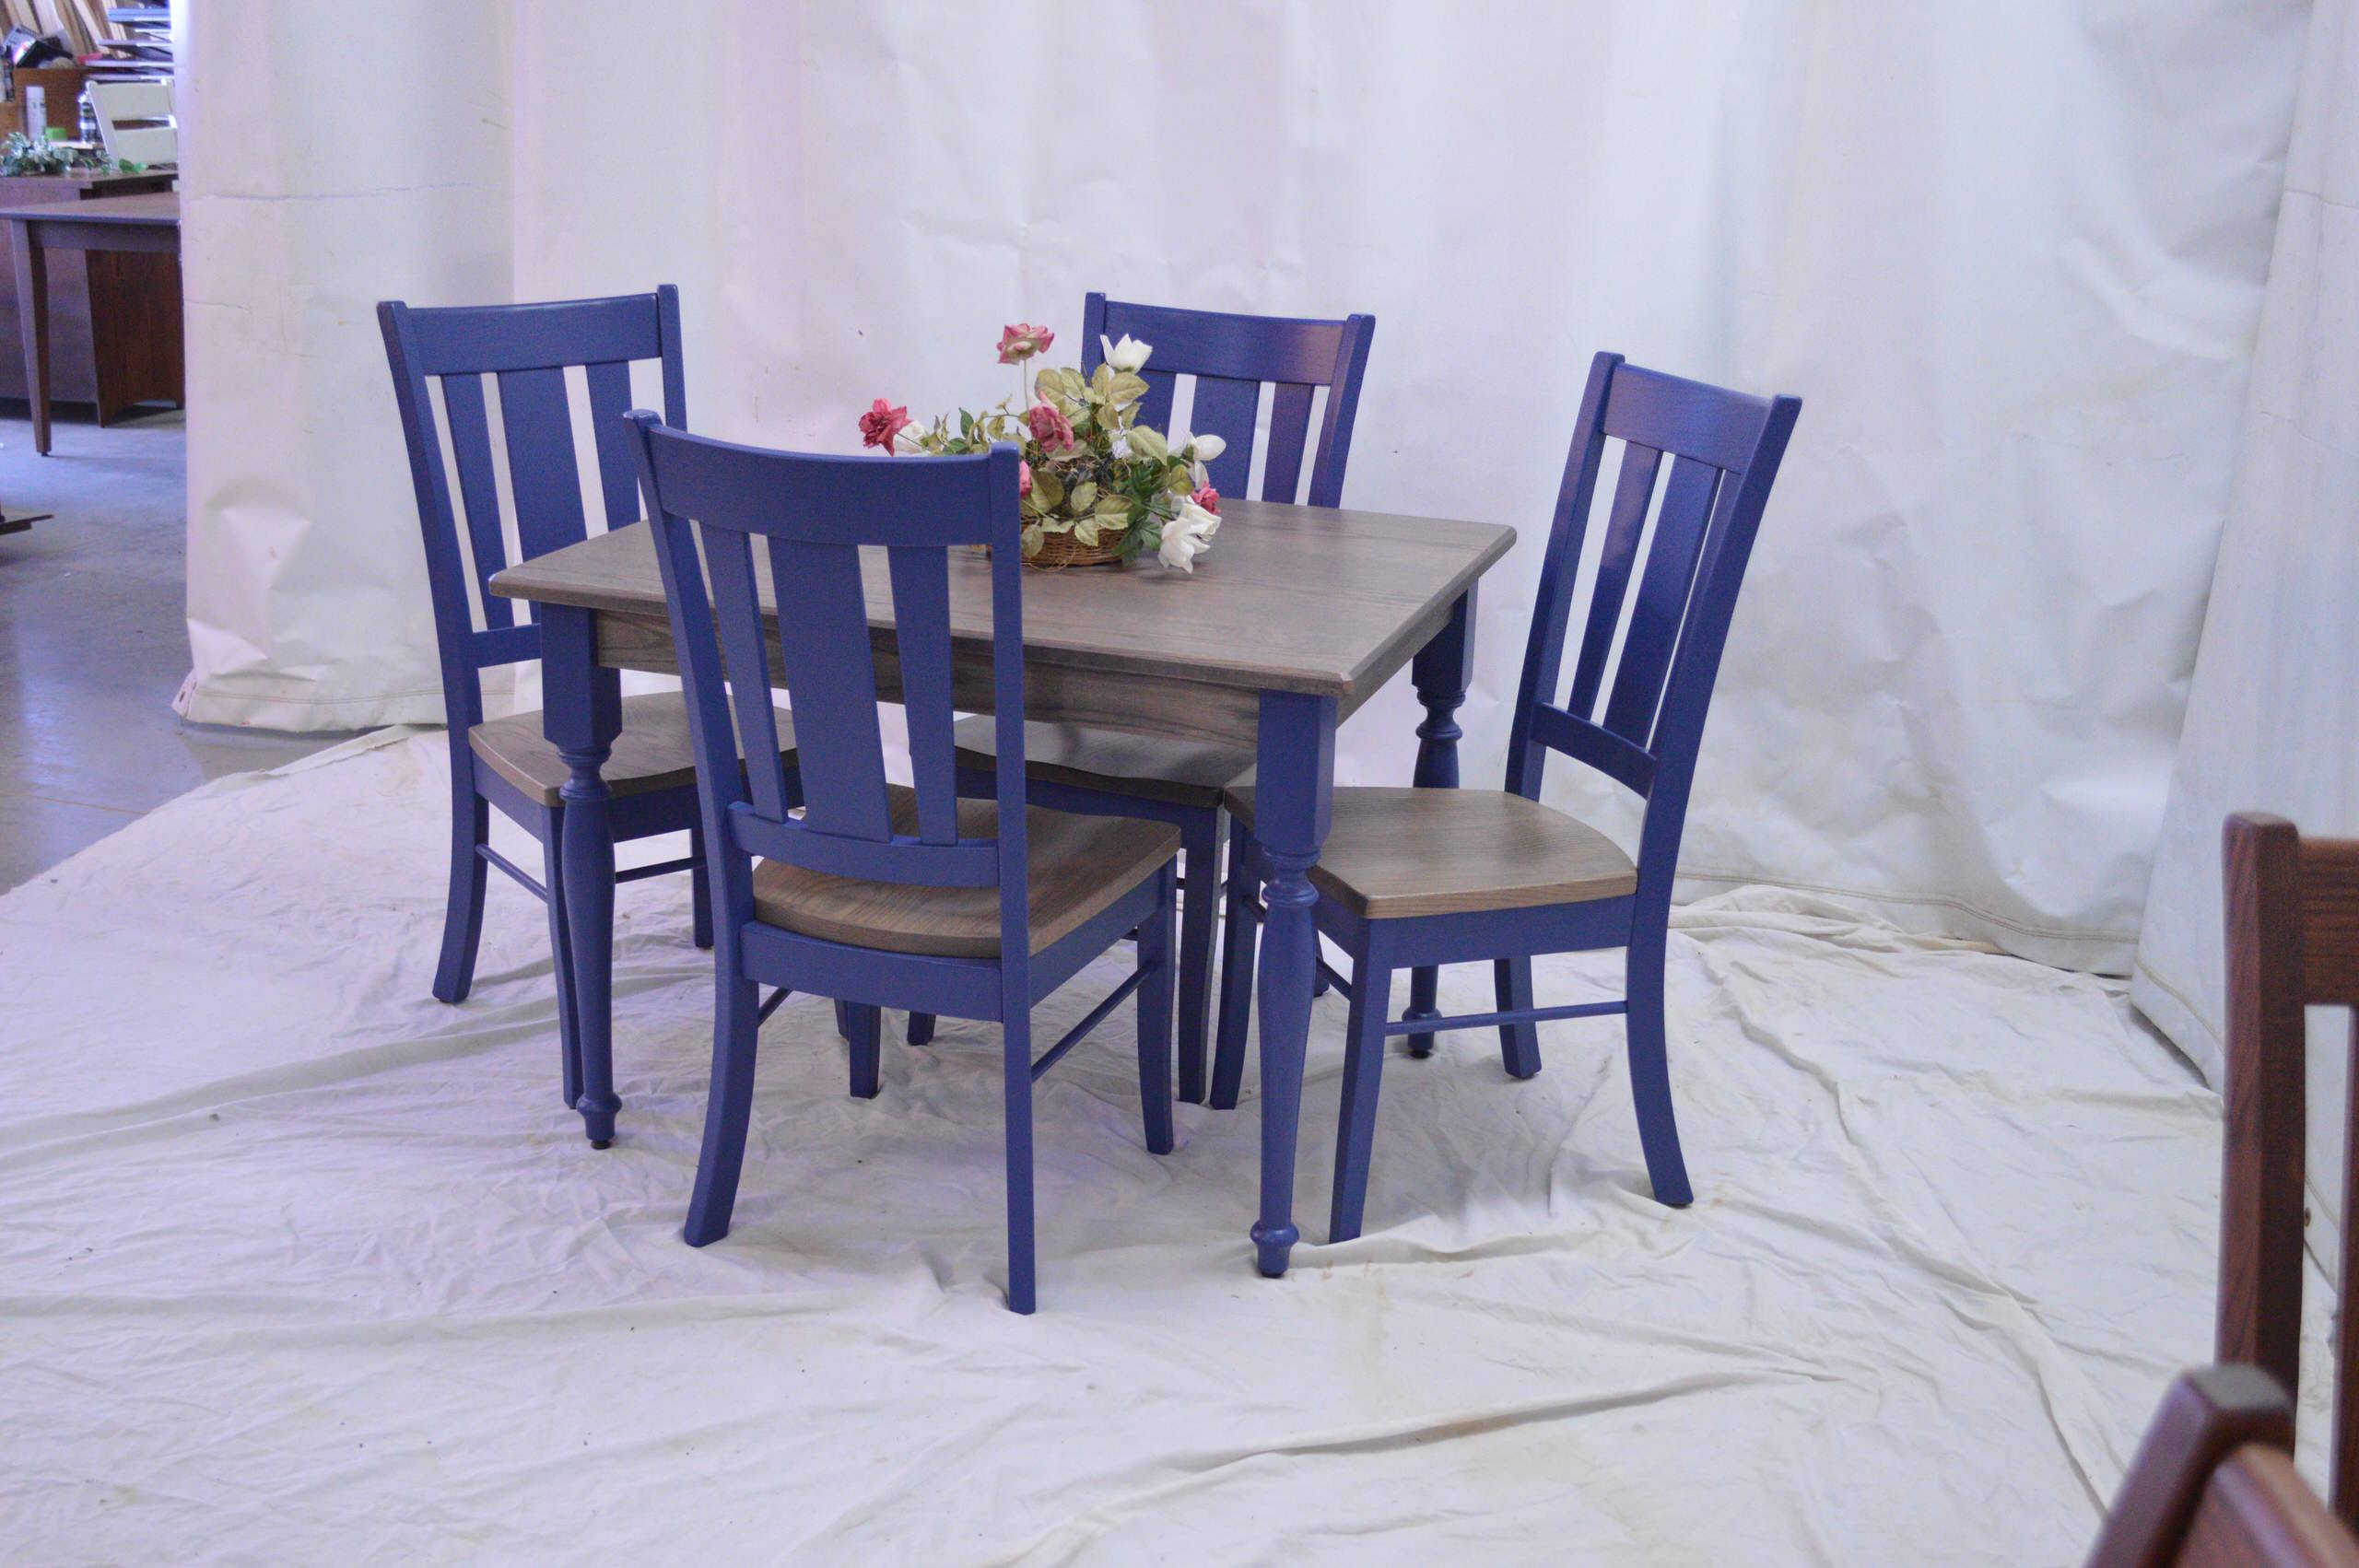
(1294, 798)
(583, 715)
(1441, 672)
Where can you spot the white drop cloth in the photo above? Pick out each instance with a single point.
(299, 1265)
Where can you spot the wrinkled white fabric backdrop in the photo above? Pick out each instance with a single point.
(2273, 721)
(2010, 256)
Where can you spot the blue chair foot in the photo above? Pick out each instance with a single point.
(598, 1121)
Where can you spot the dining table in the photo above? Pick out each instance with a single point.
(1296, 618)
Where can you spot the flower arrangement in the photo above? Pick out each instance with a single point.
(1097, 487)
(20, 153)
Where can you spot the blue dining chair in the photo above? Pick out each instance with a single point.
(1409, 878)
(881, 894)
(1078, 768)
(521, 355)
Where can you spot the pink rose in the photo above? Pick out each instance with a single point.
(1208, 498)
(1050, 428)
(882, 422)
(1023, 478)
(1018, 342)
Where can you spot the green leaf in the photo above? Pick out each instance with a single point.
(1128, 386)
(1032, 541)
(1048, 490)
(1149, 444)
(965, 423)
(1086, 531)
(1083, 495)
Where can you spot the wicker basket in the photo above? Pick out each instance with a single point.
(1058, 551)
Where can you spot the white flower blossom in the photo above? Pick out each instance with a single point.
(1187, 537)
(1128, 355)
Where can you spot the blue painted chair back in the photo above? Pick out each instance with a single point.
(526, 350)
(1230, 357)
(1663, 592)
(814, 515)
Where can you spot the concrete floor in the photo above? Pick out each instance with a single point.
(92, 640)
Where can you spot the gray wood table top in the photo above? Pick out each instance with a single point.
(1324, 601)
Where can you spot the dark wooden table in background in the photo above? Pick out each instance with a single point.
(140, 225)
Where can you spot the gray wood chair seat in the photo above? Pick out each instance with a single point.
(1150, 767)
(653, 752)
(1077, 866)
(1394, 854)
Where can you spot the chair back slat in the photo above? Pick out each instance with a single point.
(814, 517)
(830, 678)
(1662, 596)
(543, 483)
(462, 410)
(1290, 432)
(921, 602)
(1673, 555)
(737, 608)
(1626, 522)
(2291, 917)
(610, 399)
(1230, 357)
(1227, 409)
(529, 348)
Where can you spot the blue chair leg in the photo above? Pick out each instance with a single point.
(845, 1024)
(463, 911)
(1518, 1043)
(569, 1037)
(699, 894)
(1235, 975)
(1154, 1017)
(1016, 1048)
(867, 1028)
(1319, 984)
(1650, 1071)
(920, 1028)
(1363, 1073)
(1199, 910)
(735, 1020)
(1425, 987)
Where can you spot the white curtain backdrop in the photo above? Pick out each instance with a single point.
(2273, 721)
(2012, 256)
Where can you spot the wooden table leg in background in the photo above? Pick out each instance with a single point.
(1295, 798)
(32, 306)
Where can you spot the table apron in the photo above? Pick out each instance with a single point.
(1112, 699)
(64, 234)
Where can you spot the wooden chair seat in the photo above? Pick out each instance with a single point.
(1078, 865)
(1393, 854)
(653, 752)
(1113, 762)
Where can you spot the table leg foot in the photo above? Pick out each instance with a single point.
(1274, 1248)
